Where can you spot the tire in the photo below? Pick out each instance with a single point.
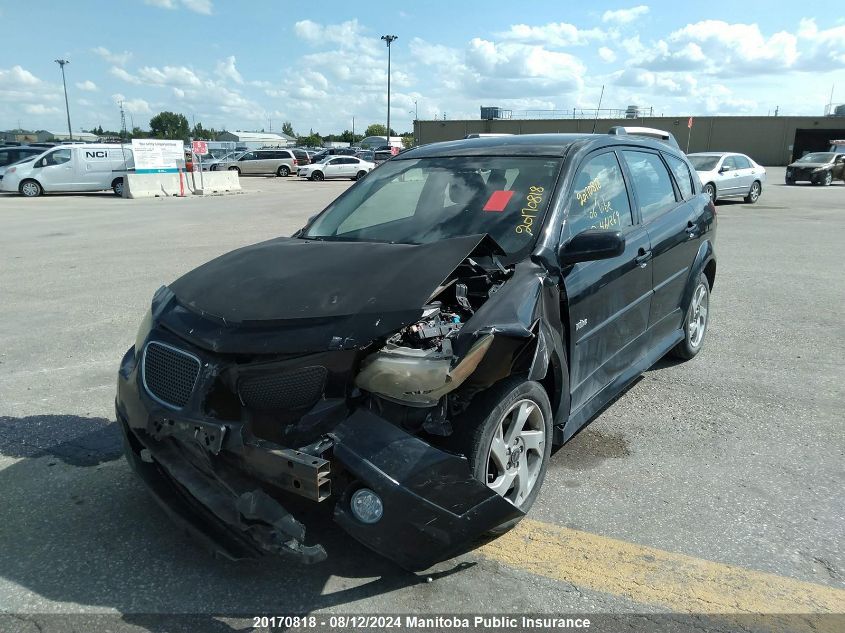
(117, 187)
(826, 179)
(30, 189)
(790, 181)
(283, 171)
(710, 190)
(237, 169)
(317, 175)
(696, 320)
(491, 416)
(360, 175)
(754, 192)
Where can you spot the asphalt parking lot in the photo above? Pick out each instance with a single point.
(712, 486)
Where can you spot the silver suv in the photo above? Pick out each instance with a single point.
(281, 162)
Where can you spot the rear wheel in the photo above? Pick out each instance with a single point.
(117, 187)
(360, 175)
(506, 434)
(283, 171)
(695, 322)
(235, 169)
(710, 190)
(30, 189)
(753, 193)
(317, 175)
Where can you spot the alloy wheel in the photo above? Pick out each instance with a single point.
(516, 452)
(697, 321)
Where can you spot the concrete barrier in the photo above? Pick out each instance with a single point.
(216, 182)
(154, 185)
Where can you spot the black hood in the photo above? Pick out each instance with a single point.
(292, 295)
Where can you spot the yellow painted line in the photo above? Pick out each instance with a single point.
(682, 583)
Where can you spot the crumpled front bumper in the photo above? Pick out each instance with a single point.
(433, 507)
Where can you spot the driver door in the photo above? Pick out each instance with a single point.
(333, 168)
(249, 163)
(56, 170)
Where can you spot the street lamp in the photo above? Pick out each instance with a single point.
(416, 114)
(61, 63)
(388, 40)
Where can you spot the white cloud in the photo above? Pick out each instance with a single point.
(607, 55)
(17, 76)
(120, 73)
(820, 49)
(226, 70)
(197, 6)
(625, 16)
(169, 76)
(348, 35)
(554, 34)
(40, 108)
(119, 59)
(135, 106)
(87, 86)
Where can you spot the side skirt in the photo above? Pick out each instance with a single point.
(587, 412)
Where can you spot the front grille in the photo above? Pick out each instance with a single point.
(297, 389)
(170, 374)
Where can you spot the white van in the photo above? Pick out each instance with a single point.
(88, 167)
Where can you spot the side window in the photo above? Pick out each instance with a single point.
(682, 175)
(742, 162)
(730, 163)
(651, 183)
(248, 156)
(599, 198)
(59, 157)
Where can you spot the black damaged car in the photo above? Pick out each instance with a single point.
(412, 354)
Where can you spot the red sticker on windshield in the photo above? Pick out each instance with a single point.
(498, 201)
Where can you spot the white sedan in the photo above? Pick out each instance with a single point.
(729, 175)
(336, 167)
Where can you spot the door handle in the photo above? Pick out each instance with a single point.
(643, 257)
(692, 230)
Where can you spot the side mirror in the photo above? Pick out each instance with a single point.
(723, 169)
(591, 245)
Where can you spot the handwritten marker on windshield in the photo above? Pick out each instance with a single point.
(498, 201)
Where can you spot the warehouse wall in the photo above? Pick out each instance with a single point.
(768, 140)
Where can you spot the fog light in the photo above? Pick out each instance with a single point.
(366, 506)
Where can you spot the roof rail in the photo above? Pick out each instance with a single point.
(648, 132)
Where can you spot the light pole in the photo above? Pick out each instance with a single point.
(388, 40)
(61, 63)
(416, 114)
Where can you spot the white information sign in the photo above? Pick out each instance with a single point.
(153, 155)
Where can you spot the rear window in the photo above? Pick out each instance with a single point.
(652, 183)
(682, 175)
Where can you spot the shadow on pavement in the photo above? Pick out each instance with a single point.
(78, 527)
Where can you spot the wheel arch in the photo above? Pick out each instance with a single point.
(705, 262)
(35, 180)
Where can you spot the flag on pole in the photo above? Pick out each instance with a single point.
(689, 123)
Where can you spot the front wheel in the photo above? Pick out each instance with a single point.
(790, 181)
(30, 189)
(710, 190)
(753, 193)
(695, 321)
(506, 434)
(317, 175)
(827, 179)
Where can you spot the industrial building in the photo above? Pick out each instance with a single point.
(769, 140)
(254, 140)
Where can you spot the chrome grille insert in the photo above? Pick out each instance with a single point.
(169, 374)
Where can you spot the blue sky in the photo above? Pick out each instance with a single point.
(250, 65)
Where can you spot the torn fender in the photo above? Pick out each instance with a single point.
(433, 506)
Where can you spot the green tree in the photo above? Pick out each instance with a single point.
(287, 128)
(312, 140)
(407, 140)
(170, 125)
(376, 129)
(200, 133)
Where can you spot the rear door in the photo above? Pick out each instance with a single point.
(668, 214)
(730, 183)
(609, 300)
(746, 173)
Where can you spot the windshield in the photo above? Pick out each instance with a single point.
(704, 163)
(430, 199)
(817, 157)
